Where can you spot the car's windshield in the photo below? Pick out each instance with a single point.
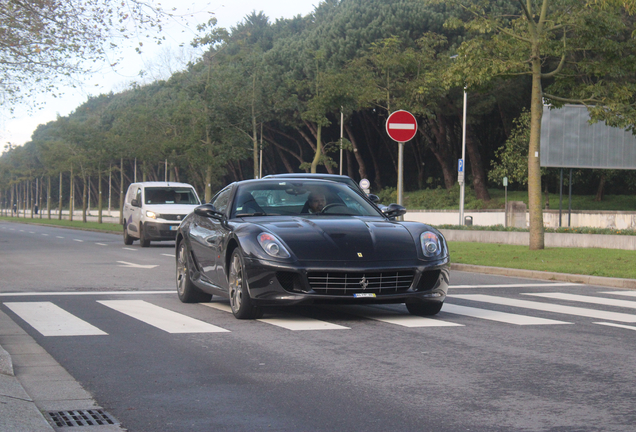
(299, 198)
(170, 195)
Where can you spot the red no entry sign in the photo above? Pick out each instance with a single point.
(401, 126)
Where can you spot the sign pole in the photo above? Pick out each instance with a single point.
(462, 183)
(400, 173)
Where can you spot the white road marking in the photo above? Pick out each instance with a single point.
(31, 232)
(59, 237)
(540, 285)
(289, 322)
(169, 255)
(101, 244)
(622, 293)
(548, 307)
(586, 299)
(132, 265)
(78, 240)
(82, 293)
(45, 235)
(161, 318)
(51, 320)
(616, 325)
(402, 319)
(129, 249)
(503, 317)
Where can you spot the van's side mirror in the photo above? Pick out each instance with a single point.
(135, 203)
(208, 210)
(394, 210)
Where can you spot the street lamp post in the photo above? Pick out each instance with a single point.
(462, 183)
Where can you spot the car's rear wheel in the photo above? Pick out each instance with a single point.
(187, 292)
(142, 237)
(128, 240)
(240, 301)
(423, 308)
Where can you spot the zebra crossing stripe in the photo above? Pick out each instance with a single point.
(621, 293)
(51, 320)
(586, 299)
(549, 307)
(503, 317)
(289, 322)
(161, 318)
(616, 325)
(401, 318)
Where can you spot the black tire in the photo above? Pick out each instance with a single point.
(240, 301)
(421, 308)
(186, 290)
(143, 241)
(128, 240)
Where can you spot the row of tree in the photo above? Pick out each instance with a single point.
(268, 97)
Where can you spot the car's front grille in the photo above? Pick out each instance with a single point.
(348, 283)
(172, 217)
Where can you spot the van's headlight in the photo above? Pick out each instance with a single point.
(272, 246)
(151, 214)
(431, 246)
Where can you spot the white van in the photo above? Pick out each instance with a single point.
(154, 210)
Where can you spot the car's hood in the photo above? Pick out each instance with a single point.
(344, 239)
(172, 209)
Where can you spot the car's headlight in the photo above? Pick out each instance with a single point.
(272, 246)
(151, 214)
(431, 245)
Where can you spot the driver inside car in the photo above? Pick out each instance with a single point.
(316, 202)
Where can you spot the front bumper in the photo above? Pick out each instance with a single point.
(160, 230)
(275, 283)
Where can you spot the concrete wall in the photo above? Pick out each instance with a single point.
(552, 240)
(600, 219)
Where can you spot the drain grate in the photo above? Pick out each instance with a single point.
(82, 418)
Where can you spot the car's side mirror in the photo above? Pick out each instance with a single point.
(135, 203)
(208, 210)
(373, 198)
(394, 210)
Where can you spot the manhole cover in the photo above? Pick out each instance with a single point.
(82, 418)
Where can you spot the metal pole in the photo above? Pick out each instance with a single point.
(341, 133)
(400, 172)
(560, 196)
(570, 200)
(110, 186)
(260, 157)
(462, 185)
(166, 175)
(135, 176)
(506, 206)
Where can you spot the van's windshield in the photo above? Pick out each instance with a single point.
(170, 195)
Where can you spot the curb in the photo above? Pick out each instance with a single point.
(551, 276)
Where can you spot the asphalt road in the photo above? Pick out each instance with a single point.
(504, 354)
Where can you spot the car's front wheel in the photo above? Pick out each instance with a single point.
(240, 301)
(186, 290)
(421, 308)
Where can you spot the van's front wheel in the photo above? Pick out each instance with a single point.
(142, 237)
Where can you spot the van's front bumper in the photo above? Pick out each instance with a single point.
(160, 231)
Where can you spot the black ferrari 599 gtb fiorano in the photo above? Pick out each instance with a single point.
(292, 241)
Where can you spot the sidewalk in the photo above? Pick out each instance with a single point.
(41, 385)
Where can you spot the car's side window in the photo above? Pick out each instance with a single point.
(221, 200)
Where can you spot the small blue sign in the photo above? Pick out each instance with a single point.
(460, 166)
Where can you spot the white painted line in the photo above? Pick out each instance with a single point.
(224, 307)
(289, 322)
(59, 237)
(503, 317)
(616, 325)
(161, 318)
(46, 235)
(78, 240)
(402, 319)
(586, 299)
(132, 265)
(129, 249)
(101, 244)
(402, 126)
(82, 293)
(539, 285)
(621, 293)
(548, 307)
(169, 255)
(51, 320)
(31, 232)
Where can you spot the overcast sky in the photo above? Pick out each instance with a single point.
(158, 62)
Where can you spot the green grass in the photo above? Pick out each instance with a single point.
(93, 226)
(594, 262)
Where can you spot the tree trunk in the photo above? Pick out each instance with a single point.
(600, 191)
(84, 198)
(71, 205)
(362, 168)
(48, 197)
(314, 163)
(121, 191)
(476, 166)
(441, 151)
(534, 168)
(60, 203)
(100, 203)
